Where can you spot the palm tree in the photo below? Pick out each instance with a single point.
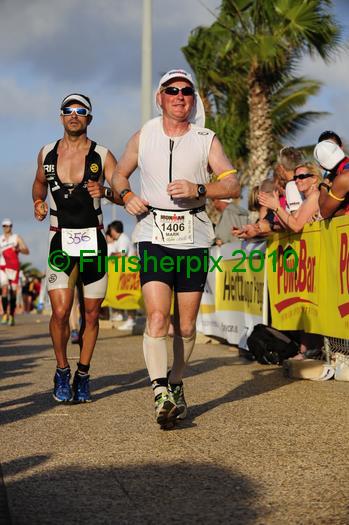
(256, 45)
(30, 270)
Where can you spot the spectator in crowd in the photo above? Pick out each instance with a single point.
(334, 190)
(331, 135)
(307, 177)
(232, 215)
(289, 159)
(289, 196)
(121, 245)
(267, 222)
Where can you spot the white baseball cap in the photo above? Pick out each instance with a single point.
(328, 154)
(6, 222)
(176, 73)
(197, 115)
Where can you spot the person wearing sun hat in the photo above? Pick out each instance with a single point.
(176, 156)
(11, 244)
(334, 189)
(71, 171)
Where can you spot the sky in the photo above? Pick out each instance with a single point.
(49, 49)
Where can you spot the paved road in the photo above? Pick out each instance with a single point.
(257, 448)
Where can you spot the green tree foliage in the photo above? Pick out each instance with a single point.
(245, 68)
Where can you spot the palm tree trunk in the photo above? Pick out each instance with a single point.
(261, 141)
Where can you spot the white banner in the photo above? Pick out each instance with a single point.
(232, 302)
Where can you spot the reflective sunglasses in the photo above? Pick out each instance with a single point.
(303, 176)
(81, 112)
(173, 91)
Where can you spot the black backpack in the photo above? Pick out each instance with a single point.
(270, 346)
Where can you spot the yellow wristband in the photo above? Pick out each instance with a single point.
(335, 197)
(225, 174)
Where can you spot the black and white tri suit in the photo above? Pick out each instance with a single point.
(72, 207)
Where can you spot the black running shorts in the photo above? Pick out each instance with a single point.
(182, 270)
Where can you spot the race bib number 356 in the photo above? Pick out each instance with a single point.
(172, 228)
(75, 240)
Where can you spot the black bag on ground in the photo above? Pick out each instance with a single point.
(270, 346)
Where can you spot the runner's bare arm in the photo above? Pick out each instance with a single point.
(22, 247)
(328, 201)
(39, 191)
(96, 188)
(124, 169)
(222, 189)
(109, 168)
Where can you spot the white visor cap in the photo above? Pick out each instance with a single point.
(328, 154)
(197, 115)
(77, 97)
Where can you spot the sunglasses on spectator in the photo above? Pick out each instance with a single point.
(81, 112)
(173, 91)
(303, 176)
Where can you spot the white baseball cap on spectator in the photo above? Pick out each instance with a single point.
(197, 115)
(328, 154)
(6, 222)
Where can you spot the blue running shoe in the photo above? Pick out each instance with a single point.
(62, 391)
(81, 388)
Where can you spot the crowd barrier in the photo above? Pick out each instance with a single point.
(315, 297)
(307, 278)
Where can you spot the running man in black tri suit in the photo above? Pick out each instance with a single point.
(71, 172)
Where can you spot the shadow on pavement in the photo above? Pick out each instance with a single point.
(261, 382)
(138, 494)
(107, 386)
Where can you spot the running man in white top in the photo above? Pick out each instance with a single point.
(176, 155)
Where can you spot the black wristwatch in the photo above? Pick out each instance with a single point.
(124, 192)
(108, 193)
(201, 189)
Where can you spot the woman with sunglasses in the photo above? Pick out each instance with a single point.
(307, 177)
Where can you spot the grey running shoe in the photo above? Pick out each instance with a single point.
(178, 396)
(166, 410)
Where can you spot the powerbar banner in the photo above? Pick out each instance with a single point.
(308, 278)
(124, 287)
(233, 297)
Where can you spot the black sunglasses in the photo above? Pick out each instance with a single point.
(303, 176)
(173, 91)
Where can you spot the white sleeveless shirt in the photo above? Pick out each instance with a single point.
(189, 162)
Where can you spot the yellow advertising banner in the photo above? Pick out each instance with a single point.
(239, 286)
(308, 278)
(124, 287)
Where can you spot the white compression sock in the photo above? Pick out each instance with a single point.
(182, 350)
(155, 355)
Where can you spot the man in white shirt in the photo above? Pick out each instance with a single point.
(175, 154)
(122, 244)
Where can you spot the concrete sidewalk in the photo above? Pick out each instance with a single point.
(257, 448)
